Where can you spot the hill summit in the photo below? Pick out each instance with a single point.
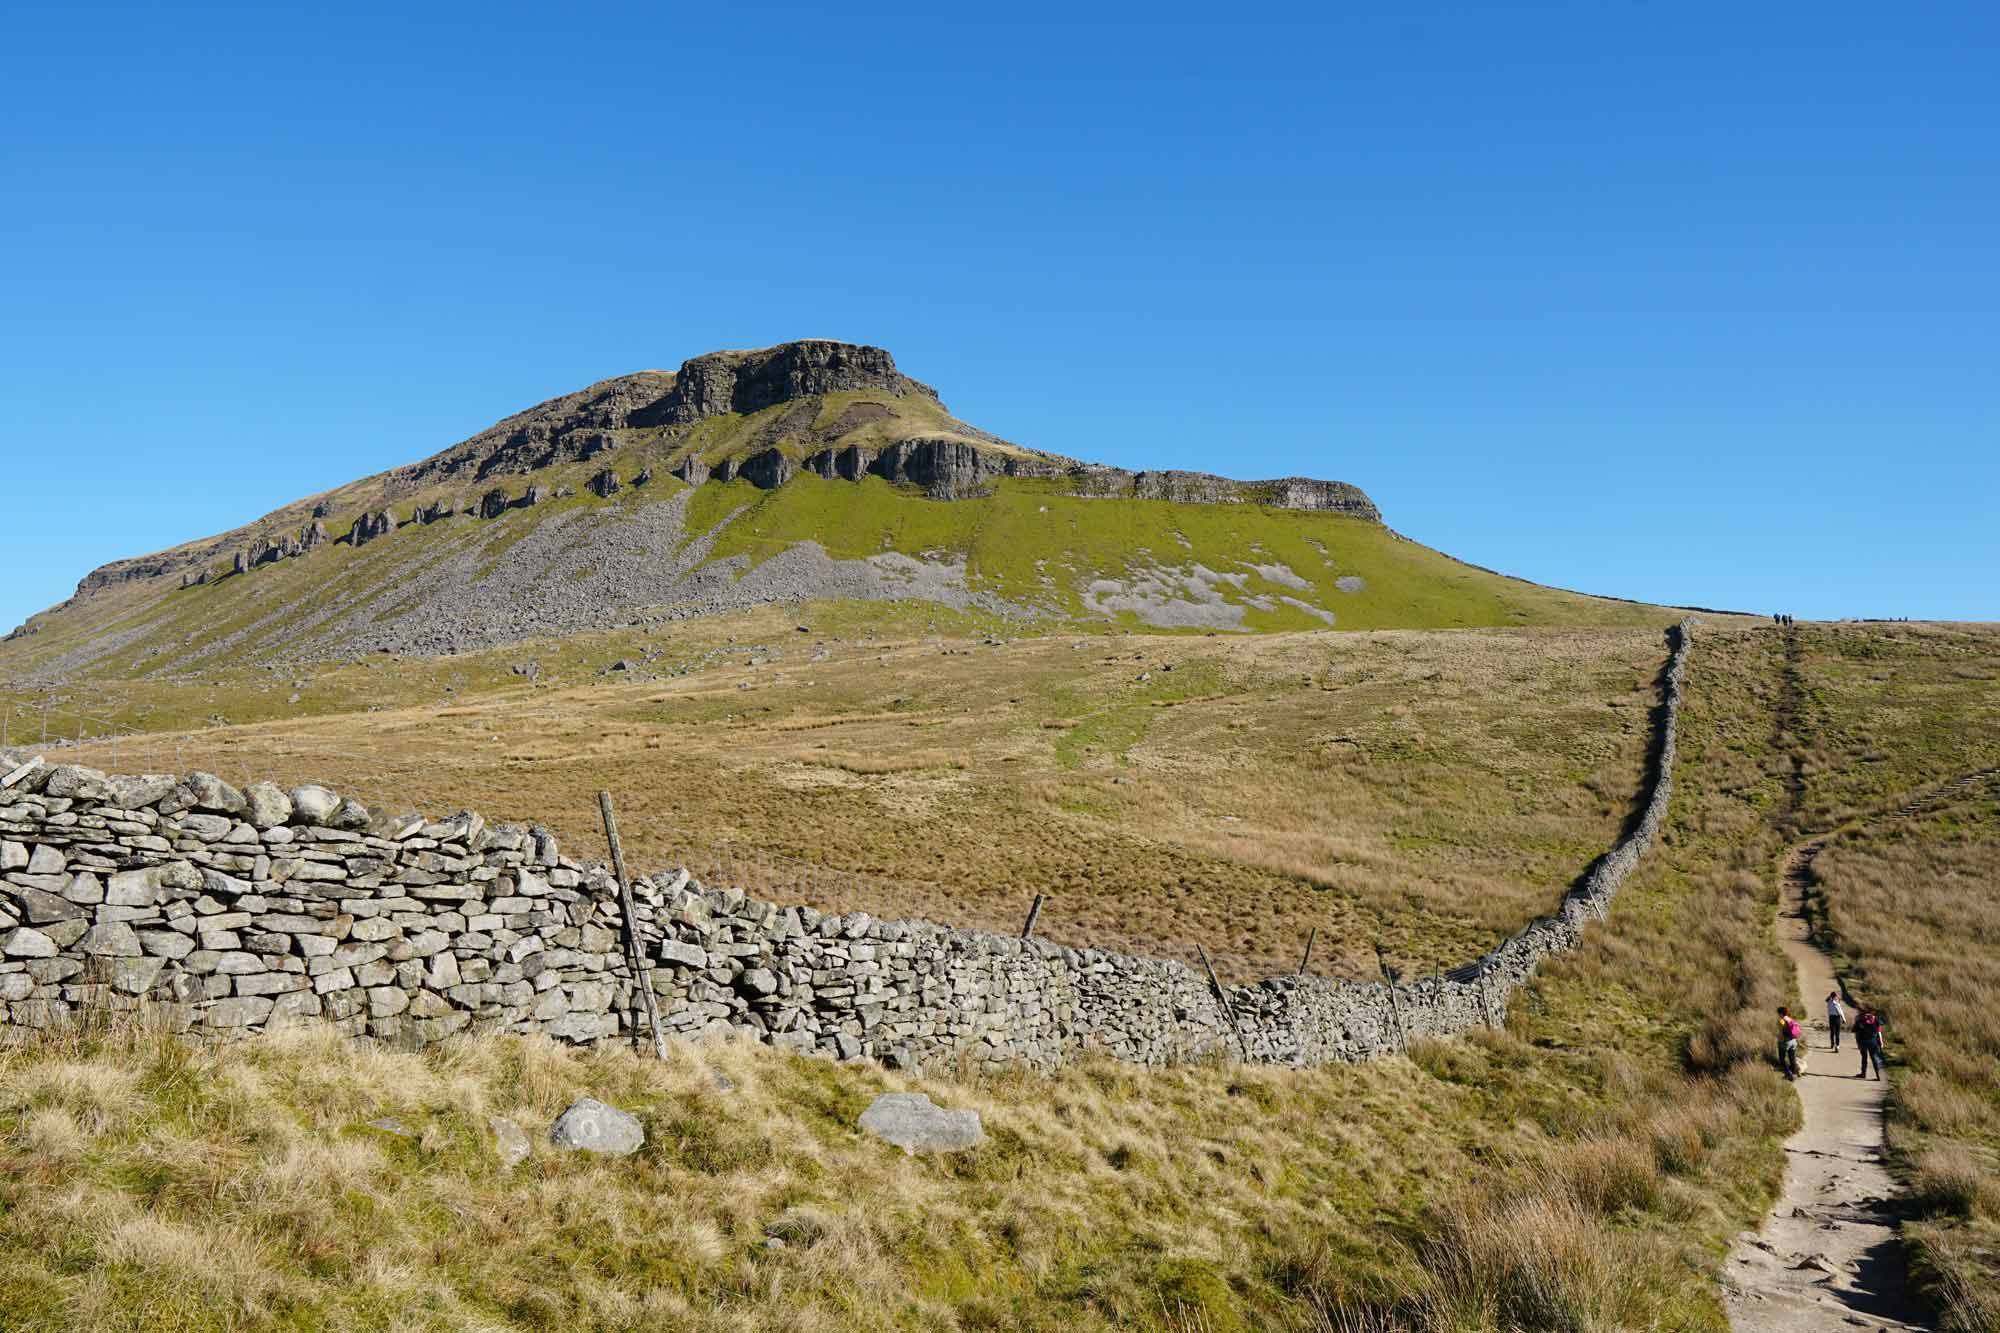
(808, 470)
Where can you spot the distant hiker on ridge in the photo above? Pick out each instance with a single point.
(1868, 1036)
(1788, 1042)
(1835, 1016)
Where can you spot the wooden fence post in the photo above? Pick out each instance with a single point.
(1228, 1006)
(642, 976)
(1311, 935)
(1034, 913)
(1395, 1010)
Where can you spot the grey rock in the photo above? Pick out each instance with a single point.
(687, 955)
(74, 782)
(591, 1126)
(213, 795)
(84, 889)
(238, 1011)
(165, 943)
(133, 888)
(133, 976)
(208, 828)
(24, 942)
(46, 860)
(266, 806)
(313, 804)
(111, 939)
(911, 1122)
(510, 1142)
(136, 793)
(40, 907)
(182, 876)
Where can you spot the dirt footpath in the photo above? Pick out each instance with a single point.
(1827, 1257)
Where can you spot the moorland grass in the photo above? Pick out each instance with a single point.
(1914, 908)
(1580, 1170)
(1424, 792)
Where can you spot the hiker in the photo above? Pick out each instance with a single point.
(1835, 1016)
(1788, 1042)
(1868, 1036)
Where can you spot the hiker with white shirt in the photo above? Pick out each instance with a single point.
(1835, 1016)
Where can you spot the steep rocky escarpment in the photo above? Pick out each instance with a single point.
(745, 382)
(579, 426)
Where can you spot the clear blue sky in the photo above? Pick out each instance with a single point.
(1690, 303)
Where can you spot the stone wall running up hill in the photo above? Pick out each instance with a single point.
(230, 911)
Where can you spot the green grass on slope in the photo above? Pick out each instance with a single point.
(1034, 546)
(1058, 556)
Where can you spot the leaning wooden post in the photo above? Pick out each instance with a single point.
(1228, 1006)
(1311, 935)
(1396, 1010)
(1034, 914)
(642, 976)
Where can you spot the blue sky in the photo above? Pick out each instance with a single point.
(1685, 303)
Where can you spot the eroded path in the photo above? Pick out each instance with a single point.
(1827, 1256)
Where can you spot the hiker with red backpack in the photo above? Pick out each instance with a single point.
(1868, 1036)
(1789, 1034)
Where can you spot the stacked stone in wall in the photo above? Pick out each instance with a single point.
(227, 912)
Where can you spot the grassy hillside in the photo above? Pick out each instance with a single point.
(1027, 555)
(1422, 791)
(1040, 549)
(1581, 1170)
(1912, 903)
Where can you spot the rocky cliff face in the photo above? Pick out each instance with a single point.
(950, 469)
(577, 426)
(746, 382)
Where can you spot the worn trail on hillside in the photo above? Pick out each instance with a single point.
(1828, 1256)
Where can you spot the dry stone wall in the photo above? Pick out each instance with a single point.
(228, 911)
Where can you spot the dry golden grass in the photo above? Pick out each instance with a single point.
(1911, 901)
(1580, 1170)
(1915, 908)
(1425, 791)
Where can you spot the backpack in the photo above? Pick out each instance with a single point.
(1791, 1029)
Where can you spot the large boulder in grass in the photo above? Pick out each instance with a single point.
(591, 1126)
(911, 1122)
